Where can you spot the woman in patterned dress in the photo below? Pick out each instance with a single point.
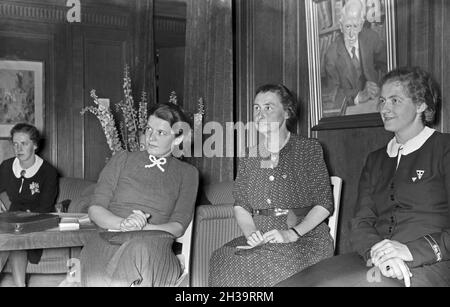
(282, 198)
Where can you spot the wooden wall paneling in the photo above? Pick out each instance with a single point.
(422, 33)
(268, 51)
(403, 34)
(345, 154)
(439, 59)
(144, 57)
(424, 42)
(66, 152)
(295, 59)
(445, 79)
(271, 52)
(170, 23)
(170, 73)
(105, 56)
(259, 49)
(244, 63)
(75, 96)
(209, 73)
(35, 43)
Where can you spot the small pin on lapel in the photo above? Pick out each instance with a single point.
(420, 173)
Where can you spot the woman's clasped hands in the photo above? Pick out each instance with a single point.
(135, 221)
(390, 257)
(273, 236)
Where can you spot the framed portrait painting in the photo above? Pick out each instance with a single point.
(351, 46)
(21, 94)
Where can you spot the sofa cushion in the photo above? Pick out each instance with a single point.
(72, 188)
(78, 191)
(5, 199)
(220, 193)
(82, 202)
(53, 261)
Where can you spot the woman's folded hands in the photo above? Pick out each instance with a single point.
(390, 257)
(135, 221)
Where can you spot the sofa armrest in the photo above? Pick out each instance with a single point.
(4, 199)
(209, 212)
(215, 225)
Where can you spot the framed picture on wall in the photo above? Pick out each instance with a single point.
(21, 94)
(351, 45)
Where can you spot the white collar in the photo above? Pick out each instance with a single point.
(410, 146)
(31, 171)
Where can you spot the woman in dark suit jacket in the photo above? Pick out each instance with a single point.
(402, 228)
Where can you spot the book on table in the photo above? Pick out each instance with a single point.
(73, 221)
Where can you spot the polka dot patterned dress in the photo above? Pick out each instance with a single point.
(295, 178)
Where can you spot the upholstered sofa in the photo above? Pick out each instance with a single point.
(54, 261)
(214, 226)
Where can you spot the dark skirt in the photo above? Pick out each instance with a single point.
(34, 255)
(349, 270)
(141, 258)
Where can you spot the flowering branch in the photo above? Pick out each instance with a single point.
(129, 114)
(107, 121)
(134, 120)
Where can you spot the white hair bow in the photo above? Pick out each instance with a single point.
(157, 162)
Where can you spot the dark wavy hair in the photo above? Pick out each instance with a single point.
(420, 87)
(287, 100)
(31, 130)
(171, 113)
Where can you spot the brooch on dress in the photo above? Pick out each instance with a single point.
(420, 174)
(34, 188)
(156, 162)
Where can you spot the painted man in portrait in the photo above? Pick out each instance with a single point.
(355, 61)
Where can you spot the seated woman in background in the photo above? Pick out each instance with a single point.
(282, 197)
(31, 185)
(402, 227)
(145, 190)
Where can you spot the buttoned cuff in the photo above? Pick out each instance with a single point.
(422, 253)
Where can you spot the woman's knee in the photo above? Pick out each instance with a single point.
(142, 245)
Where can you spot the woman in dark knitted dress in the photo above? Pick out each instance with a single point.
(283, 196)
(401, 232)
(149, 198)
(32, 185)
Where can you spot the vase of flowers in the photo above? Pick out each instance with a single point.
(128, 134)
(130, 127)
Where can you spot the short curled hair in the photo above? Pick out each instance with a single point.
(420, 87)
(171, 113)
(31, 130)
(287, 100)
